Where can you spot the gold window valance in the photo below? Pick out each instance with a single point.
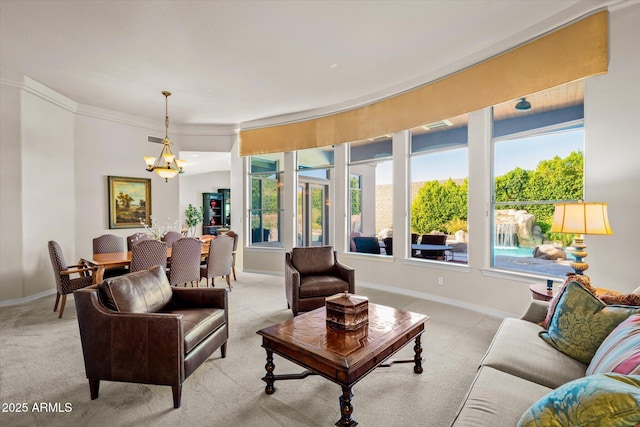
(573, 52)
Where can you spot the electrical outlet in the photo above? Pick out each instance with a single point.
(440, 280)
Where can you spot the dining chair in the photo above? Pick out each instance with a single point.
(147, 253)
(185, 261)
(219, 260)
(135, 238)
(170, 237)
(62, 272)
(108, 243)
(433, 239)
(233, 253)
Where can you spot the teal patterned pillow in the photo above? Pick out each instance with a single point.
(580, 322)
(611, 400)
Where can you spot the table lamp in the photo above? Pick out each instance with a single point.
(580, 218)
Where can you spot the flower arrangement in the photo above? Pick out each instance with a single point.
(157, 231)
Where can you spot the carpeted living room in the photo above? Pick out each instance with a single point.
(437, 146)
(42, 362)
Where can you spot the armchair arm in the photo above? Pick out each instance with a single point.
(346, 273)
(536, 312)
(136, 347)
(291, 281)
(77, 270)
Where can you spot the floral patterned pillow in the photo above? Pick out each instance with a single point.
(580, 322)
(610, 400)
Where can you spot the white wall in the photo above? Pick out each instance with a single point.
(11, 245)
(112, 148)
(56, 159)
(612, 152)
(47, 177)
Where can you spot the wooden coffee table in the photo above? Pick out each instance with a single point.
(339, 356)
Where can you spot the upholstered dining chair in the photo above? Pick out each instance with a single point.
(233, 254)
(110, 243)
(219, 260)
(147, 253)
(63, 272)
(170, 237)
(185, 261)
(135, 238)
(313, 273)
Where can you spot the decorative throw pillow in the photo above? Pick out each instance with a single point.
(621, 299)
(620, 351)
(580, 322)
(571, 277)
(611, 400)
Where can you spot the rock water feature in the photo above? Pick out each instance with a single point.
(516, 228)
(505, 235)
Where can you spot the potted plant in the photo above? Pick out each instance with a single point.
(193, 216)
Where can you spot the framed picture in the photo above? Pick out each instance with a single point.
(129, 202)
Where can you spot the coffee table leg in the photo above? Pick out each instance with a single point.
(269, 378)
(346, 409)
(417, 358)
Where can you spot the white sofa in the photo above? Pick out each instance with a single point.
(517, 370)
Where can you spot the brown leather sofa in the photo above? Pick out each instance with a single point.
(312, 274)
(138, 328)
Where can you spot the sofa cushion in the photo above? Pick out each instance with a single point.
(145, 291)
(198, 324)
(593, 401)
(518, 350)
(497, 399)
(313, 260)
(580, 322)
(321, 286)
(620, 351)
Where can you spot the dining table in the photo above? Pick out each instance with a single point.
(108, 260)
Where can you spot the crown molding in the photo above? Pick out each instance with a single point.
(41, 91)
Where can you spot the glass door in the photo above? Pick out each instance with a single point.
(312, 213)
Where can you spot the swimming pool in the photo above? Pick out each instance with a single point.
(520, 252)
(517, 251)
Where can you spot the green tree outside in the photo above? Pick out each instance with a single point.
(438, 206)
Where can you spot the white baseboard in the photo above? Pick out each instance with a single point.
(20, 301)
(430, 297)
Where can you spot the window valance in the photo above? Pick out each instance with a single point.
(569, 53)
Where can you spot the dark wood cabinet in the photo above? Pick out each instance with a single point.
(217, 211)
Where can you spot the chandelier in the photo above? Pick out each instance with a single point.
(166, 165)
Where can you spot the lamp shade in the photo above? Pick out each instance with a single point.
(581, 218)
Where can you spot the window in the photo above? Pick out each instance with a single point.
(439, 187)
(537, 161)
(266, 188)
(371, 194)
(313, 166)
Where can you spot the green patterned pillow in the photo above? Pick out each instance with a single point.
(611, 400)
(580, 322)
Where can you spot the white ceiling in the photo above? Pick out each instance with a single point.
(237, 62)
(247, 63)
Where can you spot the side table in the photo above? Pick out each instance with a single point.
(539, 291)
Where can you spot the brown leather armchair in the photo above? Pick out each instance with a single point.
(138, 328)
(312, 274)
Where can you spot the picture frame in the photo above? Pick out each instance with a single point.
(129, 202)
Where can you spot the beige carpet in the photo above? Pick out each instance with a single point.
(41, 362)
